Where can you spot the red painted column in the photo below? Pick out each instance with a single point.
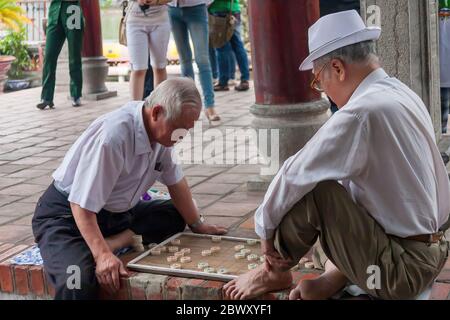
(92, 39)
(285, 105)
(279, 37)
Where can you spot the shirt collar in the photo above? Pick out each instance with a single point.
(141, 140)
(372, 78)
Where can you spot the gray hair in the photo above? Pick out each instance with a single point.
(173, 95)
(361, 52)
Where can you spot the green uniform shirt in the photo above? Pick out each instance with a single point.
(444, 4)
(224, 6)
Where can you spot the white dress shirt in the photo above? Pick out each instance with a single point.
(189, 3)
(113, 163)
(381, 146)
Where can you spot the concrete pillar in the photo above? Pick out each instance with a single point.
(95, 68)
(284, 99)
(409, 46)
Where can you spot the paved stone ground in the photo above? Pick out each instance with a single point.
(33, 144)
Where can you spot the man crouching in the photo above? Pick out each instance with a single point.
(370, 185)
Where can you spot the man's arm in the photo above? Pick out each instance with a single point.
(182, 199)
(338, 151)
(108, 266)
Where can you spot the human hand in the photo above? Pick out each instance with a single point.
(206, 228)
(108, 270)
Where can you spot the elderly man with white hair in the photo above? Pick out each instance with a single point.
(370, 185)
(93, 207)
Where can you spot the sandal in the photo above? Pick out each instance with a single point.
(219, 87)
(243, 86)
(213, 118)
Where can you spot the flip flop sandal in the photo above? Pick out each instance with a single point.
(219, 87)
(214, 119)
(243, 86)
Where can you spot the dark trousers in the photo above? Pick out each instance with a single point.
(62, 245)
(148, 84)
(215, 64)
(58, 30)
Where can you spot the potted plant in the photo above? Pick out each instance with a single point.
(11, 18)
(13, 44)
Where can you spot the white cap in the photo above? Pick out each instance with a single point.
(335, 31)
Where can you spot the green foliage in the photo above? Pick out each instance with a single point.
(105, 4)
(11, 15)
(13, 44)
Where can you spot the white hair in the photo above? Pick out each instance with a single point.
(361, 52)
(173, 95)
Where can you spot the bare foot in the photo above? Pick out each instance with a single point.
(322, 288)
(257, 282)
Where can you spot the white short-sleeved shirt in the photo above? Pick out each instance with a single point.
(381, 146)
(113, 163)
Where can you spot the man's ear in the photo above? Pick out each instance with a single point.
(338, 69)
(157, 112)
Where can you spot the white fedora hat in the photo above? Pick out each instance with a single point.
(335, 31)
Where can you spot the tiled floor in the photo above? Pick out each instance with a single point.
(33, 143)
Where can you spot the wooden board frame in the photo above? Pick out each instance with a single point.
(186, 273)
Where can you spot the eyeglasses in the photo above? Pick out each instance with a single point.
(315, 84)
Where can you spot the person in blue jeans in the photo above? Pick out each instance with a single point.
(215, 65)
(190, 17)
(235, 46)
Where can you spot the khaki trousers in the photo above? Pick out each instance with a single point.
(358, 245)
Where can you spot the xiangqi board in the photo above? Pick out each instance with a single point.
(201, 256)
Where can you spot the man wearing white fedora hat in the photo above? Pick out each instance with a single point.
(370, 185)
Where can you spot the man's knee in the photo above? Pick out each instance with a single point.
(178, 222)
(165, 222)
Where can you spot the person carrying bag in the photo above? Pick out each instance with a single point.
(221, 28)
